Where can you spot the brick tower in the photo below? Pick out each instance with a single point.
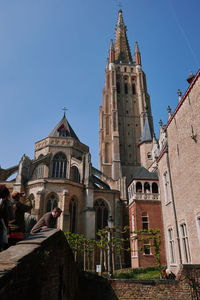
(125, 107)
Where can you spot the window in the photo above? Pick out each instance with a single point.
(73, 212)
(133, 88)
(133, 223)
(52, 201)
(126, 88)
(198, 227)
(59, 165)
(166, 187)
(145, 221)
(107, 148)
(101, 214)
(147, 248)
(149, 155)
(154, 188)
(134, 248)
(185, 243)
(118, 88)
(171, 246)
(74, 174)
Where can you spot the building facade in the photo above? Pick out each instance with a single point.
(61, 174)
(179, 164)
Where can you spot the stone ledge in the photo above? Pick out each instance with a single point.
(145, 281)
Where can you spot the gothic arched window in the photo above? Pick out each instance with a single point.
(74, 174)
(101, 214)
(73, 213)
(52, 202)
(59, 165)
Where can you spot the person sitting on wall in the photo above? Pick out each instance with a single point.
(47, 221)
(6, 214)
(30, 221)
(17, 226)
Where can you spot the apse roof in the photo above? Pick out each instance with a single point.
(63, 129)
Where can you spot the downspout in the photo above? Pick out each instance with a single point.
(174, 208)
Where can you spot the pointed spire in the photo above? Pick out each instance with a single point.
(137, 54)
(147, 132)
(111, 52)
(122, 49)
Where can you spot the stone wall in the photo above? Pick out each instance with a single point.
(187, 287)
(41, 267)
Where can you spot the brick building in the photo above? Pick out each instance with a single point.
(179, 164)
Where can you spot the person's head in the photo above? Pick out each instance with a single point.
(16, 195)
(57, 212)
(4, 191)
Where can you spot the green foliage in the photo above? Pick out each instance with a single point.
(139, 273)
(152, 235)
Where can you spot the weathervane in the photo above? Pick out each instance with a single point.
(65, 109)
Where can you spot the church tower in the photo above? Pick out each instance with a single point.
(125, 106)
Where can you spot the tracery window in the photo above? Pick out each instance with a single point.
(74, 174)
(73, 214)
(59, 165)
(101, 214)
(52, 202)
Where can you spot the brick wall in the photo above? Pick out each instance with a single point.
(39, 268)
(186, 288)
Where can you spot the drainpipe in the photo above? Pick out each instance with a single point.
(174, 208)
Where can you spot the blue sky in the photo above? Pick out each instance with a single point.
(53, 54)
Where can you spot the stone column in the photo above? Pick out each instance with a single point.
(65, 216)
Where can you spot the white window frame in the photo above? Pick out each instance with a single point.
(166, 187)
(185, 243)
(172, 253)
(198, 226)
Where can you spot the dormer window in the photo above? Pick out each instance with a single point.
(63, 132)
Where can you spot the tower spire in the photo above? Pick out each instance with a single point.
(122, 49)
(137, 54)
(111, 52)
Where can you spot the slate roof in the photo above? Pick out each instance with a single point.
(143, 173)
(147, 131)
(65, 123)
